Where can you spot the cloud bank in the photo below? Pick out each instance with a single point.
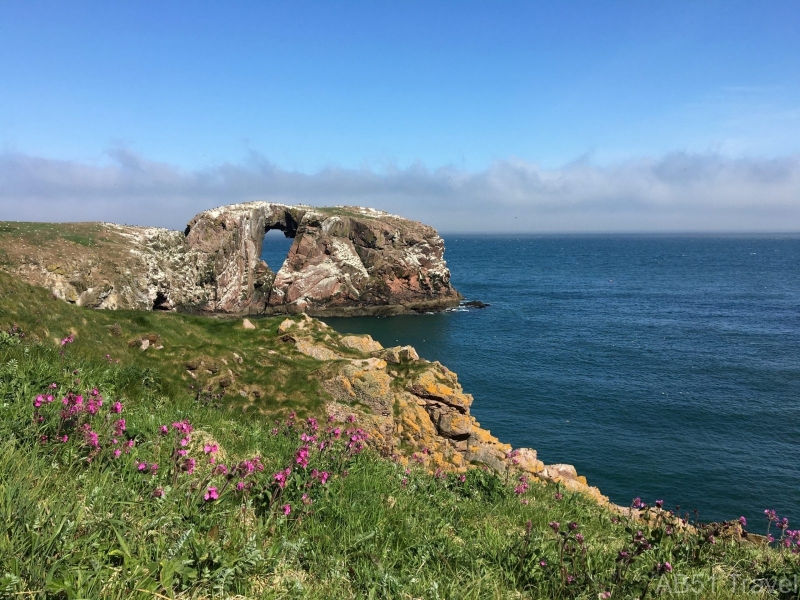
(677, 192)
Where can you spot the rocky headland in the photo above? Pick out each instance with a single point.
(414, 409)
(343, 261)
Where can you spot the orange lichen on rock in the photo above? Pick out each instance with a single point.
(419, 413)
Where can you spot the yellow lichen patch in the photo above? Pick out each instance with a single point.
(315, 350)
(363, 343)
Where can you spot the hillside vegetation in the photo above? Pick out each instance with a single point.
(204, 466)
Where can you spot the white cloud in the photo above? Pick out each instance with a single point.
(678, 192)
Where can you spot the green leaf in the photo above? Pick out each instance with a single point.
(123, 544)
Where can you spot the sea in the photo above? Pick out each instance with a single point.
(662, 366)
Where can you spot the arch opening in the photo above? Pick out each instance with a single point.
(275, 247)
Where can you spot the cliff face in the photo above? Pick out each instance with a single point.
(414, 409)
(344, 261)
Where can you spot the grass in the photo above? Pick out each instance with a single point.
(78, 522)
(84, 234)
(192, 354)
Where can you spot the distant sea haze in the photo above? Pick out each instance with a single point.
(666, 367)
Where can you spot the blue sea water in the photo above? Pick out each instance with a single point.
(666, 367)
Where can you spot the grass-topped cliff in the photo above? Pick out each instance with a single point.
(343, 261)
(140, 457)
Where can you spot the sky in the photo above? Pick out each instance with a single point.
(470, 116)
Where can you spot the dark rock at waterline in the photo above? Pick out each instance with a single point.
(476, 304)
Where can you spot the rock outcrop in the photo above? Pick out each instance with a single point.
(343, 261)
(415, 410)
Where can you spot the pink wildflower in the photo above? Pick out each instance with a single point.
(158, 492)
(117, 453)
(93, 405)
(92, 439)
(164, 430)
(281, 477)
(183, 427)
(301, 456)
(141, 466)
(211, 494)
(287, 509)
(210, 448)
(116, 407)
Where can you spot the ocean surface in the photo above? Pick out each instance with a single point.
(666, 367)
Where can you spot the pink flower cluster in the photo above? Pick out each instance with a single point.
(42, 399)
(789, 538)
(321, 476)
(143, 467)
(81, 413)
(523, 485)
(282, 477)
(301, 456)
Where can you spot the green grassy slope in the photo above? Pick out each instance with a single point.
(90, 517)
(191, 354)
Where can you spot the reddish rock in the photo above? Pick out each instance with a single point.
(344, 261)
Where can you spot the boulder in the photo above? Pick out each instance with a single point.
(364, 343)
(454, 425)
(399, 354)
(435, 384)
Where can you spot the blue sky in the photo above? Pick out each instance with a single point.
(184, 92)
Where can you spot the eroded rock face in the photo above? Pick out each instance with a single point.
(344, 261)
(414, 409)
